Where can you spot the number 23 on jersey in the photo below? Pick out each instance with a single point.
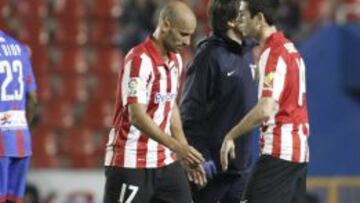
(12, 87)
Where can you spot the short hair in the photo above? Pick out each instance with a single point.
(174, 11)
(221, 12)
(269, 8)
(168, 13)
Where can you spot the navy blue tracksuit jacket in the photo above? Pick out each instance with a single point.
(219, 91)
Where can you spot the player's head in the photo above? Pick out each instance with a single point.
(257, 14)
(177, 23)
(224, 15)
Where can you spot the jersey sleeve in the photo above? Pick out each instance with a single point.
(272, 74)
(136, 75)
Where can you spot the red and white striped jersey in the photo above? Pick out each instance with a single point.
(282, 77)
(147, 79)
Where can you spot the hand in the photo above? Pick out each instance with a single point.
(227, 148)
(189, 154)
(197, 176)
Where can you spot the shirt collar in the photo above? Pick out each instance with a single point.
(155, 54)
(276, 36)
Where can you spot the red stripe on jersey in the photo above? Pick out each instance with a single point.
(141, 151)
(276, 141)
(14, 198)
(161, 155)
(132, 100)
(305, 130)
(20, 143)
(135, 67)
(296, 144)
(2, 150)
(266, 93)
(262, 137)
(262, 142)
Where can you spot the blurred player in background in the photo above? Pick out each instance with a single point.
(17, 108)
(220, 91)
(141, 163)
(280, 172)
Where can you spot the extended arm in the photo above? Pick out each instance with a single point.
(140, 119)
(259, 114)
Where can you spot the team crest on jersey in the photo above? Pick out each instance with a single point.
(133, 85)
(268, 80)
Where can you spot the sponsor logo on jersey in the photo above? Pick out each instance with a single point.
(162, 98)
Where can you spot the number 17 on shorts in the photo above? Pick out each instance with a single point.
(125, 188)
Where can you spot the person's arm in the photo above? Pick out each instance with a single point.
(141, 120)
(31, 106)
(176, 127)
(259, 114)
(196, 173)
(271, 86)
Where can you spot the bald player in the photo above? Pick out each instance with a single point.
(147, 140)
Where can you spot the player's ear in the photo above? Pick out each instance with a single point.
(261, 18)
(165, 25)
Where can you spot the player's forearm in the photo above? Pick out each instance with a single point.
(259, 114)
(176, 126)
(141, 120)
(245, 125)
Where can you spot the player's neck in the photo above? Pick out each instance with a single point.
(230, 33)
(159, 45)
(267, 31)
